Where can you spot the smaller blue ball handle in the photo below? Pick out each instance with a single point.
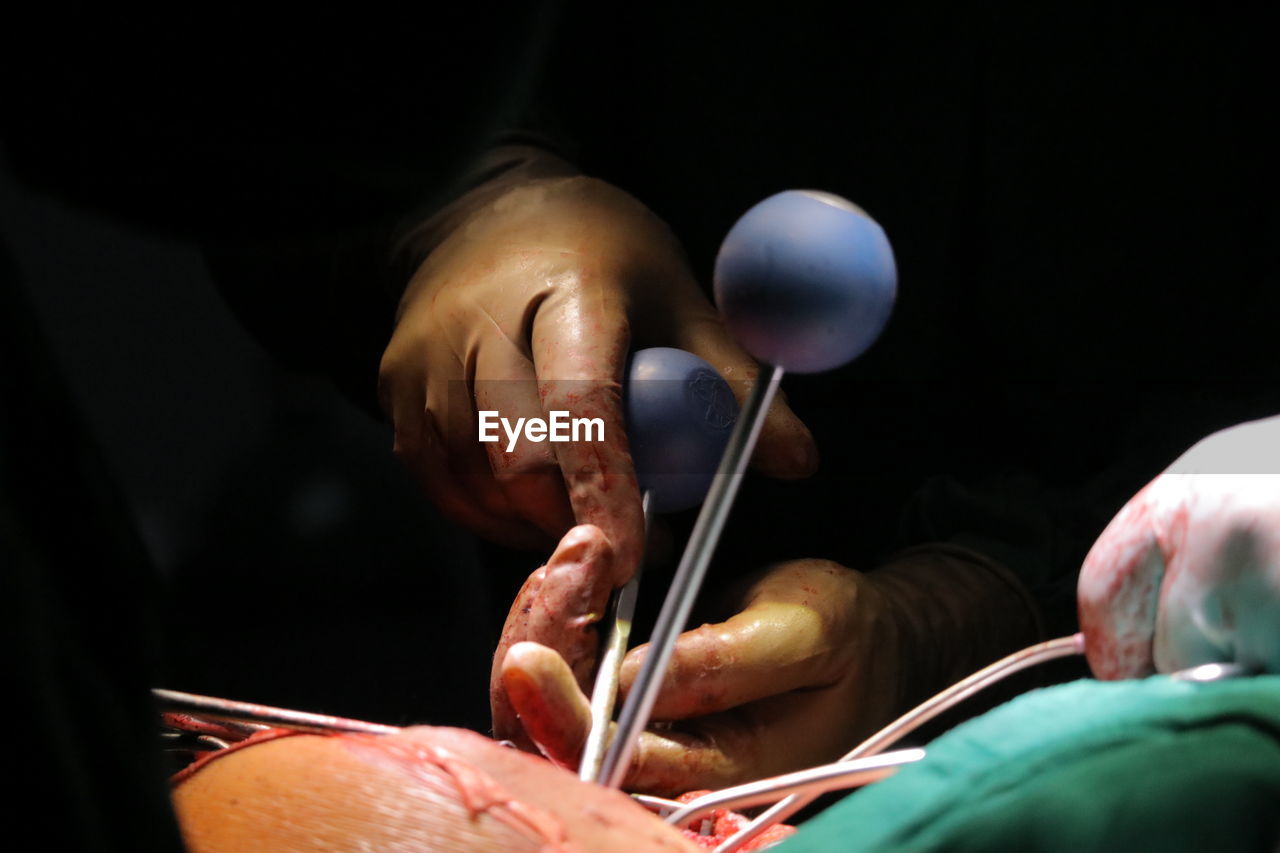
(679, 414)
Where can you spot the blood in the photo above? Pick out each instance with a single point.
(207, 758)
(724, 824)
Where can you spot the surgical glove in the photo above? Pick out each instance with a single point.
(530, 305)
(1189, 571)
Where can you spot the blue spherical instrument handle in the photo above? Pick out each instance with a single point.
(679, 414)
(806, 281)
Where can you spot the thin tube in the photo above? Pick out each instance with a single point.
(813, 781)
(688, 578)
(913, 719)
(661, 806)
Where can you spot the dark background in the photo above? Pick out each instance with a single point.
(297, 565)
(269, 504)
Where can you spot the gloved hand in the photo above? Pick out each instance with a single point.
(530, 304)
(1189, 571)
(814, 658)
(557, 608)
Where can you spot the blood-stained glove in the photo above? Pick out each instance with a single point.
(1189, 571)
(557, 609)
(814, 658)
(529, 303)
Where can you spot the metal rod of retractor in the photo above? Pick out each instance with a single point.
(604, 694)
(914, 719)
(689, 576)
(249, 712)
